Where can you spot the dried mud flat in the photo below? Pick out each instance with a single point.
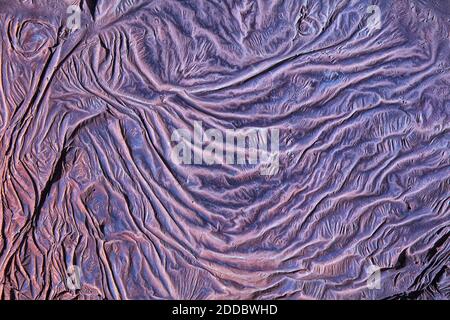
(88, 186)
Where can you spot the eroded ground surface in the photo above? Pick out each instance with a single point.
(87, 178)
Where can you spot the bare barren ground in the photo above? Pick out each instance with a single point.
(87, 179)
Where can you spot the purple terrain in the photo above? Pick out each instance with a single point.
(224, 149)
